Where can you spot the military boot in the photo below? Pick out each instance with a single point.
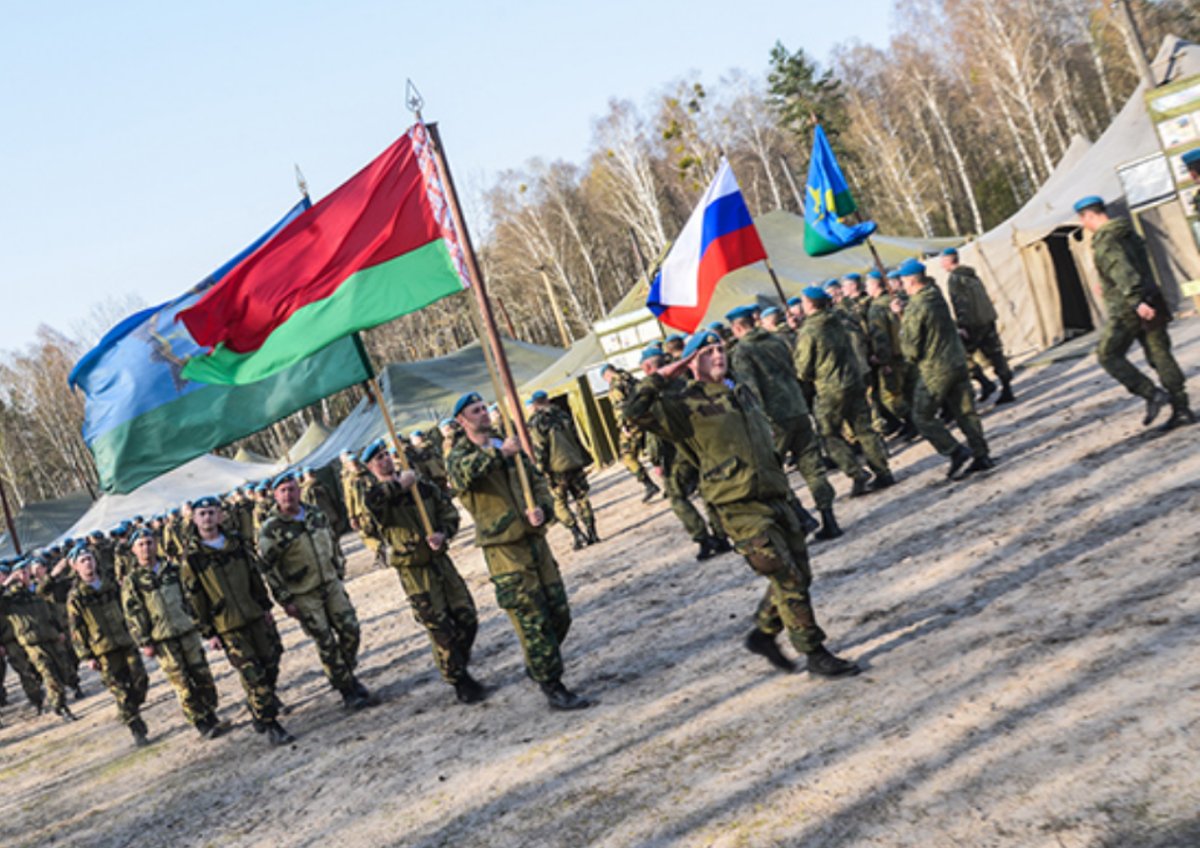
(829, 526)
(353, 699)
(581, 540)
(64, 712)
(862, 485)
(561, 698)
(651, 490)
(807, 521)
(592, 537)
(721, 543)
(79, 693)
(1154, 404)
(1006, 393)
(986, 386)
(468, 690)
(764, 644)
(276, 735)
(138, 728)
(821, 663)
(980, 463)
(1180, 416)
(909, 431)
(957, 460)
(882, 480)
(708, 549)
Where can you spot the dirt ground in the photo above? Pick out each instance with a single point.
(1029, 637)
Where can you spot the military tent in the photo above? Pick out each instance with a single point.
(39, 523)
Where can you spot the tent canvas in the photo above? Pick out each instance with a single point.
(39, 523)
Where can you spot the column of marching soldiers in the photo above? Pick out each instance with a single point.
(721, 414)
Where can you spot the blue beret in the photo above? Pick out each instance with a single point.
(538, 395)
(740, 312)
(138, 519)
(794, 301)
(911, 268)
(894, 274)
(281, 479)
(771, 310)
(716, 325)
(650, 352)
(446, 422)
(417, 434)
(950, 251)
(854, 275)
(874, 274)
(78, 551)
(466, 400)
(371, 450)
(606, 367)
(815, 293)
(206, 502)
(1192, 157)
(308, 469)
(1089, 201)
(699, 340)
(677, 337)
(97, 534)
(140, 533)
(123, 527)
(831, 284)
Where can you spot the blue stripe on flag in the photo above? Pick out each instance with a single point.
(654, 296)
(724, 215)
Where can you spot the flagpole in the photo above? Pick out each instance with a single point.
(641, 258)
(8, 519)
(373, 388)
(775, 280)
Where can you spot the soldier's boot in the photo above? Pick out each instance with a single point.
(862, 485)
(708, 549)
(909, 431)
(64, 712)
(561, 698)
(39, 706)
(3, 696)
(721, 543)
(1006, 393)
(592, 537)
(651, 490)
(807, 520)
(581, 541)
(764, 644)
(353, 697)
(276, 735)
(882, 480)
(957, 460)
(79, 693)
(137, 727)
(829, 526)
(821, 663)
(1180, 416)
(980, 463)
(468, 690)
(986, 387)
(1154, 405)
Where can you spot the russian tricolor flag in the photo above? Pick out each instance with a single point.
(718, 238)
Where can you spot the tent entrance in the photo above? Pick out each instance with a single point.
(1073, 301)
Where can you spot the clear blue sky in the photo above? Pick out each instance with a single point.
(145, 143)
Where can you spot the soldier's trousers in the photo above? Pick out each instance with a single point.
(957, 396)
(629, 448)
(1116, 337)
(892, 391)
(985, 340)
(254, 650)
(530, 589)
(680, 480)
(568, 486)
(833, 411)
(771, 538)
(47, 661)
(796, 436)
(31, 681)
(182, 661)
(442, 604)
(328, 618)
(125, 676)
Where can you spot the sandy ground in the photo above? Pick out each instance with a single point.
(1029, 638)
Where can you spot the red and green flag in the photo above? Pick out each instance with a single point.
(380, 246)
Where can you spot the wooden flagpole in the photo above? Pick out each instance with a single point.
(8, 519)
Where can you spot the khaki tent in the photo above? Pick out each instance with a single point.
(1037, 264)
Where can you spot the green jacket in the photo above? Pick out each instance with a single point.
(1124, 269)
(300, 555)
(825, 355)
(395, 514)
(488, 486)
(763, 364)
(224, 585)
(883, 328)
(722, 431)
(30, 616)
(156, 607)
(620, 390)
(98, 624)
(972, 306)
(852, 319)
(930, 340)
(556, 445)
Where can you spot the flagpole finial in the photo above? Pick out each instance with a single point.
(412, 98)
(301, 183)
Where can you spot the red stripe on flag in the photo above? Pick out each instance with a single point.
(725, 254)
(378, 214)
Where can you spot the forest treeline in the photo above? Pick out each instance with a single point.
(947, 130)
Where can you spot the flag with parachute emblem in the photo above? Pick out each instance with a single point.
(828, 200)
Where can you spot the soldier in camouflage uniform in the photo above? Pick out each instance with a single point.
(11, 653)
(1191, 161)
(892, 374)
(763, 364)
(54, 588)
(824, 359)
(427, 458)
(160, 621)
(102, 640)
(560, 455)
(304, 568)
(36, 630)
(774, 321)
(355, 480)
(931, 342)
(728, 436)
(225, 588)
(1137, 311)
(440, 600)
(313, 491)
(529, 586)
(631, 441)
(976, 317)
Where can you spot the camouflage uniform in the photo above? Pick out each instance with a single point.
(892, 375)
(631, 441)
(226, 591)
(304, 568)
(313, 491)
(100, 633)
(159, 618)
(35, 629)
(976, 317)
(764, 365)
(825, 359)
(14, 655)
(55, 590)
(562, 458)
(354, 484)
(726, 434)
(930, 341)
(440, 600)
(1127, 281)
(529, 586)
(429, 462)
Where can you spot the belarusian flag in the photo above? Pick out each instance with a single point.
(382, 245)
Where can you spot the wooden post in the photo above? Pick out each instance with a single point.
(8, 519)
